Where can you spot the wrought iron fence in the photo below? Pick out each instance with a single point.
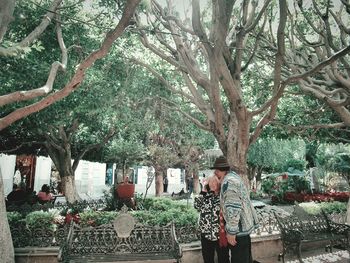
(267, 225)
(22, 236)
(45, 237)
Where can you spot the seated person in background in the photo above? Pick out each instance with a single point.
(31, 196)
(44, 195)
(18, 194)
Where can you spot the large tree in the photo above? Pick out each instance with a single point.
(43, 96)
(45, 92)
(212, 51)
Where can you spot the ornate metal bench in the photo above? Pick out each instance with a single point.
(122, 240)
(300, 227)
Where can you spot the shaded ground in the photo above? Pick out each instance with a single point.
(315, 253)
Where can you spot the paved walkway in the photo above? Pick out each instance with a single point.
(313, 256)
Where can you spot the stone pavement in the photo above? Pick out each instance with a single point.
(313, 256)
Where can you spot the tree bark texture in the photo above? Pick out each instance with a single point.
(159, 172)
(6, 15)
(6, 249)
(69, 188)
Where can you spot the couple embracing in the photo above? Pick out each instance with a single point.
(227, 216)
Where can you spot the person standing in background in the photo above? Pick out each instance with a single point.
(190, 185)
(165, 184)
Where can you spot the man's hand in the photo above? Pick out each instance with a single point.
(231, 239)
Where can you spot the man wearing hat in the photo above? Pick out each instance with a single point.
(238, 212)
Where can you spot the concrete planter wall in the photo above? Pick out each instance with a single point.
(36, 255)
(262, 247)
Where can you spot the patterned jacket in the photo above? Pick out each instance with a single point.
(208, 206)
(238, 211)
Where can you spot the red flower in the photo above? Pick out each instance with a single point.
(70, 217)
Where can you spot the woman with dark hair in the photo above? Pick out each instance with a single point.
(44, 195)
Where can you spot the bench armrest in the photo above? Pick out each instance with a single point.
(338, 228)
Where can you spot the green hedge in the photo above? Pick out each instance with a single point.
(329, 207)
(158, 211)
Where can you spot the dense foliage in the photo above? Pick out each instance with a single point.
(157, 211)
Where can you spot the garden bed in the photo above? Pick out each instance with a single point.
(291, 197)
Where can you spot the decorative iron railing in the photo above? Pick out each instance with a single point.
(267, 225)
(22, 236)
(44, 237)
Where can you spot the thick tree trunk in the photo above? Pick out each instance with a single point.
(235, 148)
(159, 181)
(6, 248)
(67, 177)
(69, 189)
(63, 163)
(196, 187)
(195, 175)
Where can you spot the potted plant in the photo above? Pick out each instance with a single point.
(125, 189)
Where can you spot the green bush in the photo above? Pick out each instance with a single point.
(277, 188)
(161, 218)
(190, 217)
(40, 219)
(108, 196)
(14, 218)
(74, 208)
(162, 211)
(145, 217)
(294, 163)
(256, 195)
(158, 203)
(267, 185)
(328, 207)
(298, 184)
(97, 218)
(334, 207)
